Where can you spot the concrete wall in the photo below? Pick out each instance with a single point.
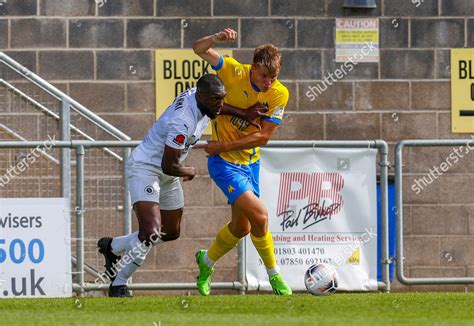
(88, 50)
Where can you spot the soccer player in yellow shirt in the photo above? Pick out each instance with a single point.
(234, 153)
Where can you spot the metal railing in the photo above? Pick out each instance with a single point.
(67, 101)
(79, 147)
(399, 212)
(26, 97)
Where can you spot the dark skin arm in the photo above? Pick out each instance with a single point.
(251, 114)
(171, 166)
(253, 140)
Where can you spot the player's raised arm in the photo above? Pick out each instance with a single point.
(203, 46)
(171, 166)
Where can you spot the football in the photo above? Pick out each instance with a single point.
(321, 279)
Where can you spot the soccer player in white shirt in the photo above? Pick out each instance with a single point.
(153, 172)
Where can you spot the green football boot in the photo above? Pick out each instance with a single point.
(279, 285)
(203, 281)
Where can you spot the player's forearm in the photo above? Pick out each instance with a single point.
(178, 170)
(256, 139)
(202, 45)
(234, 111)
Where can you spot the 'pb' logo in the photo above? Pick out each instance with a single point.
(314, 187)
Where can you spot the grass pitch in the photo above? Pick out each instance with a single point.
(340, 309)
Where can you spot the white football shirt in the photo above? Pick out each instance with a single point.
(180, 127)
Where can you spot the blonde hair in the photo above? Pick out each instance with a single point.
(269, 56)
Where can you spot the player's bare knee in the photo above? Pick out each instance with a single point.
(244, 231)
(259, 225)
(261, 219)
(239, 230)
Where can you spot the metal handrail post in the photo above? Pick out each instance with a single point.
(127, 205)
(384, 165)
(65, 153)
(399, 211)
(241, 266)
(80, 152)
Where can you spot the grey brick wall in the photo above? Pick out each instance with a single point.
(102, 54)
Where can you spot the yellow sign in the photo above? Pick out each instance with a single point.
(177, 70)
(462, 90)
(354, 259)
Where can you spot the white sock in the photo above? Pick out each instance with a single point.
(209, 262)
(273, 271)
(136, 252)
(119, 244)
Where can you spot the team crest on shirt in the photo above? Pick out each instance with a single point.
(238, 71)
(149, 190)
(278, 113)
(179, 139)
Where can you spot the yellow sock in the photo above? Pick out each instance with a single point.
(264, 246)
(225, 242)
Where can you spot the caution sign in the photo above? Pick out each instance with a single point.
(462, 90)
(177, 70)
(357, 40)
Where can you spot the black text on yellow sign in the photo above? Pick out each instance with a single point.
(466, 71)
(462, 90)
(185, 73)
(177, 70)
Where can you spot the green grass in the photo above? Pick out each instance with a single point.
(340, 309)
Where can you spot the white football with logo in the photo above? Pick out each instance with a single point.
(321, 279)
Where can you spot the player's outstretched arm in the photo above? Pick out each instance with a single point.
(171, 166)
(203, 46)
(251, 114)
(253, 140)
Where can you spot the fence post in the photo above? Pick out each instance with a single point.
(241, 266)
(384, 164)
(65, 153)
(80, 217)
(127, 205)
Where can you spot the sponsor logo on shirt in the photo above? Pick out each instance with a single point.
(239, 123)
(179, 139)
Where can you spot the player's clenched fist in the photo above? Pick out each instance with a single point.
(225, 36)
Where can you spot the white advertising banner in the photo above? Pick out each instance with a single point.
(322, 208)
(35, 248)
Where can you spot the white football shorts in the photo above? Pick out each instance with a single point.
(149, 183)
